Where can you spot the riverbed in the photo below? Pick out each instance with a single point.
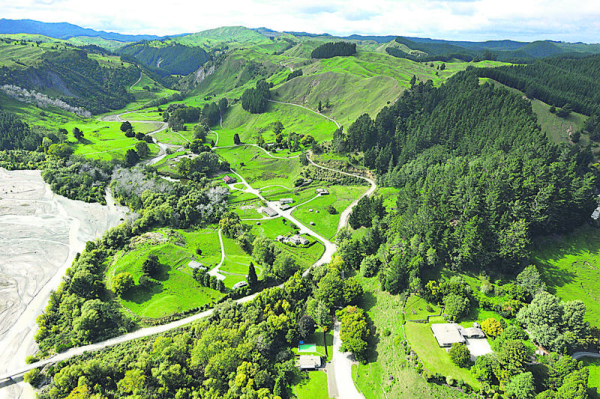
(40, 234)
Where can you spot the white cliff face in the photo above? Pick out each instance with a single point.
(40, 233)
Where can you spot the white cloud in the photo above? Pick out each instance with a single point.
(575, 20)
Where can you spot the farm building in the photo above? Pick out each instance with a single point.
(298, 240)
(228, 180)
(447, 334)
(322, 191)
(309, 362)
(270, 212)
(284, 201)
(285, 207)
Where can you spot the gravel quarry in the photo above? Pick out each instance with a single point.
(40, 232)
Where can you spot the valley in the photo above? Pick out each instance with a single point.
(277, 198)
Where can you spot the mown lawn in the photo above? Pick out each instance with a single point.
(570, 266)
(312, 385)
(175, 289)
(386, 358)
(325, 223)
(434, 358)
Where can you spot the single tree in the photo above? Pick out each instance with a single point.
(521, 386)
(77, 133)
(252, 279)
(236, 139)
(142, 148)
(151, 266)
(460, 355)
(125, 126)
(131, 157)
(320, 106)
(306, 326)
(122, 282)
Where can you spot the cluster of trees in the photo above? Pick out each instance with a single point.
(241, 350)
(455, 294)
(205, 164)
(161, 203)
(463, 156)
(334, 49)
(16, 134)
(365, 211)
(205, 280)
(163, 100)
(294, 74)
(127, 128)
(509, 369)
(79, 312)
(79, 179)
(556, 81)
(255, 100)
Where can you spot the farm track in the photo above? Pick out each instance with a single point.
(342, 360)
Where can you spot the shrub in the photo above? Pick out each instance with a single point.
(386, 332)
(491, 327)
(331, 209)
(33, 377)
(449, 380)
(460, 355)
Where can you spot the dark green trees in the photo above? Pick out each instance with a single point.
(255, 100)
(333, 49)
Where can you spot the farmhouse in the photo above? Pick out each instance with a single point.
(228, 179)
(298, 240)
(270, 212)
(322, 191)
(309, 362)
(447, 334)
(284, 201)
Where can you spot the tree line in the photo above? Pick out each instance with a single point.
(334, 49)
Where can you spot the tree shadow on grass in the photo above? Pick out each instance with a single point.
(367, 301)
(140, 294)
(555, 276)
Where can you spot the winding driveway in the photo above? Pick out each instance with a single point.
(341, 363)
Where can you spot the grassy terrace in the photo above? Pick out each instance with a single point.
(325, 223)
(259, 169)
(176, 290)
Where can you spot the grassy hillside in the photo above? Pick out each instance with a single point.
(232, 36)
(570, 265)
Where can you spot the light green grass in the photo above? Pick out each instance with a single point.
(434, 358)
(594, 379)
(415, 308)
(385, 356)
(570, 265)
(312, 385)
(176, 290)
(315, 345)
(294, 119)
(390, 195)
(271, 228)
(325, 223)
(259, 169)
(143, 115)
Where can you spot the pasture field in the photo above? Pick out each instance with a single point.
(386, 356)
(312, 385)
(325, 223)
(570, 266)
(294, 119)
(175, 289)
(259, 169)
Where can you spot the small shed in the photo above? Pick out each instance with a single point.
(196, 265)
(309, 362)
(228, 179)
(270, 212)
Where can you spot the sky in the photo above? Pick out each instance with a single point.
(475, 20)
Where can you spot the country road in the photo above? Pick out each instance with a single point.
(343, 373)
